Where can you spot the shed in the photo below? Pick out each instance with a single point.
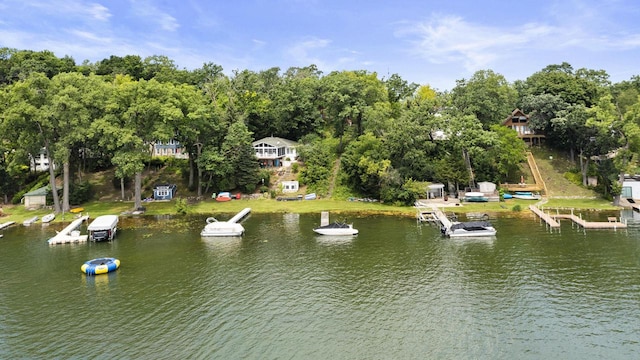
(164, 191)
(486, 187)
(290, 186)
(36, 198)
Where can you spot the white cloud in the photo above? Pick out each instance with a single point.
(150, 13)
(300, 52)
(98, 12)
(70, 8)
(445, 39)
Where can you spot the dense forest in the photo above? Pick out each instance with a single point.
(389, 134)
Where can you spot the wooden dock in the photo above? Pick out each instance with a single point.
(592, 224)
(433, 214)
(552, 220)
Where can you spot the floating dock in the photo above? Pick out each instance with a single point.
(69, 234)
(7, 224)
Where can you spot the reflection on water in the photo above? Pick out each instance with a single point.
(335, 239)
(225, 245)
(397, 290)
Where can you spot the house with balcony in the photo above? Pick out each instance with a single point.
(275, 152)
(519, 121)
(172, 148)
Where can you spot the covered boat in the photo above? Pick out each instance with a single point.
(475, 197)
(103, 228)
(470, 229)
(336, 228)
(526, 195)
(48, 218)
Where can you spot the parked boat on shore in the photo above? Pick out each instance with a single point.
(475, 197)
(30, 221)
(526, 195)
(48, 218)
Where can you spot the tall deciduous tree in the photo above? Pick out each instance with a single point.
(26, 119)
(487, 95)
(346, 96)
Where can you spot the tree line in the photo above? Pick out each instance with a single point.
(390, 135)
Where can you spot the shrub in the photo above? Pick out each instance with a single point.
(182, 207)
(516, 207)
(574, 177)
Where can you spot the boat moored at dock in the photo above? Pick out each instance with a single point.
(103, 228)
(470, 229)
(336, 228)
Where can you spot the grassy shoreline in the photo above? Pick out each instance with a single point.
(18, 213)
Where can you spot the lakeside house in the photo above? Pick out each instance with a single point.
(275, 152)
(519, 121)
(172, 148)
(40, 161)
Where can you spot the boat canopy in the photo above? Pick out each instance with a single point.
(104, 222)
(469, 225)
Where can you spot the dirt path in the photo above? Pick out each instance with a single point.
(334, 175)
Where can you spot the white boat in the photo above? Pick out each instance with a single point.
(48, 218)
(221, 228)
(524, 195)
(336, 228)
(103, 228)
(470, 229)
(30, 221)
(225, 228)
(475, 196)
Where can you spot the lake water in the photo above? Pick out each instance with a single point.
(398, 290)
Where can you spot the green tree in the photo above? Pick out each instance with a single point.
(487, 95)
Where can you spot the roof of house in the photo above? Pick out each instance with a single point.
(515, 113)
(275, 142)
(38, 192)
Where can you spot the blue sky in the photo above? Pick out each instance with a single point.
(426, 42)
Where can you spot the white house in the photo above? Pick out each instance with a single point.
(275, 151)
(39, 162)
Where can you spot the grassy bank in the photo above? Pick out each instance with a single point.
(18, 213)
